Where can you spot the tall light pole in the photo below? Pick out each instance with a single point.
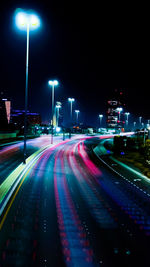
(134, 124)
(53, 84)
(77, 114)
(127, 115)
(57, 109)
(100, 119)
(71, 100)
(26, 20)
(140, 121)
(119, 112)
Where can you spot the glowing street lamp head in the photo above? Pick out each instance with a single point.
(21, 19)
(119, 109)
(77, 111)
(71, 99)
(127, 113)
(100, 116)
(58, 129)
(58, 106)
(24, 18)
(34, 20)
(55, 82)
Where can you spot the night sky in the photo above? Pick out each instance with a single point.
(91, 49)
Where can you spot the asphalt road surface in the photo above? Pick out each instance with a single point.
(70, 210)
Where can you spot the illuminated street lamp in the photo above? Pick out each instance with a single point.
(71, 100)
(53, 84)
(57, 109)
(140, 121)
(127, 115)
(77, 113)
(134, 123)
(100, 119)
(26, 20)
(119, 112)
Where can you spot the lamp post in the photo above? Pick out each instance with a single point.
(140, 121)
(119, 112)
(100, 119)
(26, 21)
(71, 100)
(53, 84)
(127, 115)
(77, 114)
(57, 108)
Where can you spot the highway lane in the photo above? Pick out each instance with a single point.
(70, 211)
(129, 208)
(11, 155)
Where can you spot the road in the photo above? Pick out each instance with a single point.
(70, 210)
(11, 155)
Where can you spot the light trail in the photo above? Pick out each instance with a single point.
(11, 183)
(75, 244)
(72, 206)
(126, 203)
(97, 208)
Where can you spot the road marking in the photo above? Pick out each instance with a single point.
(11, 202)
(122, 175)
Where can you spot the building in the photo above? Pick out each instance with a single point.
(17, 118)
(5, 110)
(112, 114)
(115, 118)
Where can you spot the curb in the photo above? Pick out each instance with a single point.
(9, 185)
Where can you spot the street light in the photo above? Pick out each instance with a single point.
(100, 119)
(77, 113)
(134, 123)
(53, 84)
(127, 115)
(71, 100)
(57, 108)
(119, 111)
(26, 20)
(140, 120)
